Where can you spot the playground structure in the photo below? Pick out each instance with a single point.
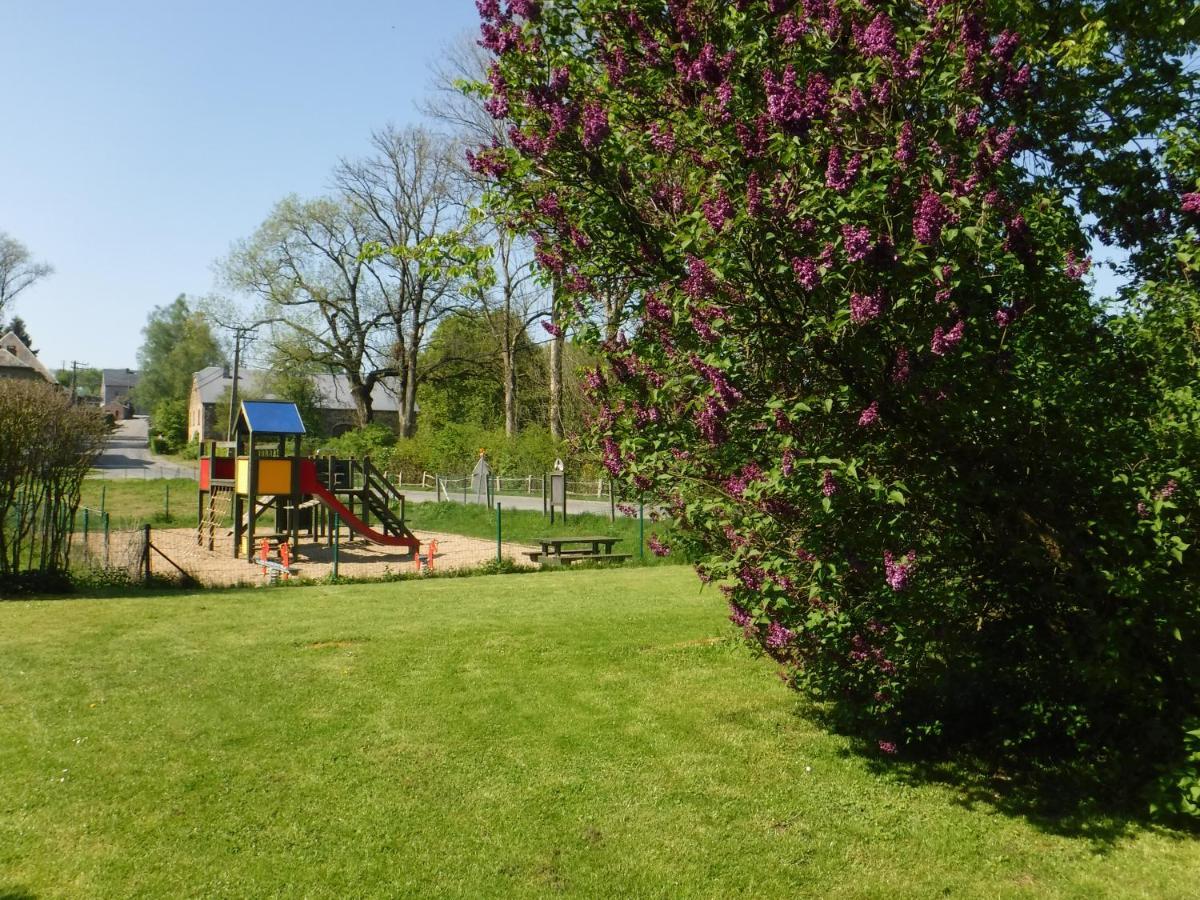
(255, 474)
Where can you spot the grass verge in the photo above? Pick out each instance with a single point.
(591, 734)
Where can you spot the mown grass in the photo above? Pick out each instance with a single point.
(130, 502)
(591, 734)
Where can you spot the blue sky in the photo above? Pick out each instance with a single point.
(141, 138)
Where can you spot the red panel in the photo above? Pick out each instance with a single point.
(225, 467)
(204, 475)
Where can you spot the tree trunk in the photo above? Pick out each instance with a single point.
(408, 396)
(361, 392)
(556, 363)
(510, 391)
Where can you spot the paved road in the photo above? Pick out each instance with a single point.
(127, 455)
(514, 501)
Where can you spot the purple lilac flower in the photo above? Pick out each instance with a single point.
(613, 460)
(856, 239)
(711, 421)
(718, 210)
(595, 125)
(1191, 202)
(1005, 316)
(661, 138)
(838, 177)
(829, 485)
(1077, 268)
(787, 463)
(906, 150)
(865, 307)
(657, 547)
(888, 747)
(738, 616)
(896, 571)
(700, 282)
(1143, 510)
(791, 29)
(807, 273)
(753, 195)
(929, 217)
(778, 636)
(945, 341)
(1167, 491)
(552, 329)
(789, 106)
(870, 415)
(900, 368)
(878, 39)
(657, 310)
(627, 509)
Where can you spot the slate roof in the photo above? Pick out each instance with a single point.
(334, 390)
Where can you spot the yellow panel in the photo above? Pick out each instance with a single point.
(274, 476)
(243, 475)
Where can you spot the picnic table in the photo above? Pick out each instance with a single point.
(559, 550)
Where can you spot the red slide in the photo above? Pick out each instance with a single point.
(310, 485)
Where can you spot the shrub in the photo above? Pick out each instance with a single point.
(861, 367)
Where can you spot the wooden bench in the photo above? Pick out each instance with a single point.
(570, 556)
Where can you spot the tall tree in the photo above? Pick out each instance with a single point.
(18, 271)
(306, 262)
(176, 343)
(1110, 78)
(17, 327)
(513, 297)
(411, 203)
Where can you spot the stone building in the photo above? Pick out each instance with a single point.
(208, 410)
(116, 386)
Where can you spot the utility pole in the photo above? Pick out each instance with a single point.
(75, 364)
(239, 333)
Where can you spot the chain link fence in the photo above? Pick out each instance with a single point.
(152, 554)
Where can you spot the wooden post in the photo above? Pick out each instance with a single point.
(252, 494)
(146, 554)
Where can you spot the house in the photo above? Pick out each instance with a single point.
(208, 409)
(116, 385)
(18, 361)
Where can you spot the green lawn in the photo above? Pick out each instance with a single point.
(585, 733)
(131, 502)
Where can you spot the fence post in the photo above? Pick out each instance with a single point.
(543, 493)
(103, 489)
(498, 531)
(337, 536)
(641, 529)
(167, 500)
(612, 503)
(106, 540)
(146, 554)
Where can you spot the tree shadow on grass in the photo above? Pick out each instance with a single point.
(1075, 798)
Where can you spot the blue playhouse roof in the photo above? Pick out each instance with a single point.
(271, 417)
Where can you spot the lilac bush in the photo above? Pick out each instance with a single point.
(860, 367)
